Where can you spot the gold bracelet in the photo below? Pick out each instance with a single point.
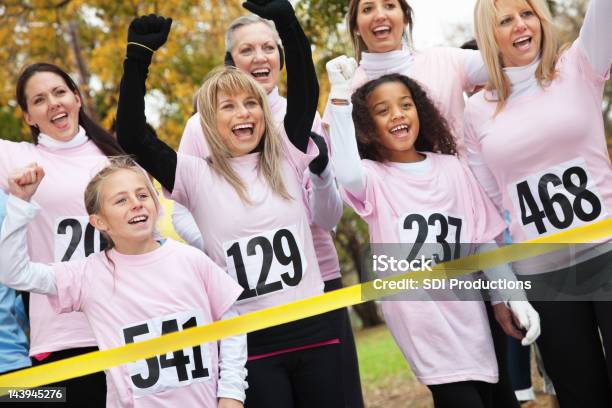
(339, 102)
(141, 45)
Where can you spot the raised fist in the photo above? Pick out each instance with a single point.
(279, 11)
(150, 31)
(340, 72)
(319, 163)
(24, 182)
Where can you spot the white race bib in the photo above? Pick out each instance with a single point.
(434, 235)
(561, 197)
(268, 262)
(75, 238)
(171, 370)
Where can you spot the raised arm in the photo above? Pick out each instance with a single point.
(345, 157)
(349, 171)
(16, 270)
(145, 35)
(596, 35)
(475, 69)
(323, 197)
(302, 84)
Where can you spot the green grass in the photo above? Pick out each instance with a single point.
(380, 360)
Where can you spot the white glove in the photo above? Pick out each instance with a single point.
(340, 72)
(527, 318)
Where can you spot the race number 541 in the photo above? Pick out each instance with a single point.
(172, 370)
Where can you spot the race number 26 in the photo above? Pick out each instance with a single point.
(76, 238)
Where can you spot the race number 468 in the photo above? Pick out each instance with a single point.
(558, 198)
(172, 370)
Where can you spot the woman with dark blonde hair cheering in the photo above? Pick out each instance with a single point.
(252, 44)
(247, 201)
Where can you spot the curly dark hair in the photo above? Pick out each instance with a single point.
(434, 133)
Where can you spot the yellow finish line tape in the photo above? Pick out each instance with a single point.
(102, 360)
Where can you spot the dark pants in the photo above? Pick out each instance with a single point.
(577, 334)
(310, 378)
(519, 364)
(502, 393)
(87, 391)
(464, 394)
(573, 352)
(350, 366)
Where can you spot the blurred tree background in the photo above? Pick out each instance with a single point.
(87, 38)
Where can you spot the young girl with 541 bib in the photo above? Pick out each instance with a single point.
(127, 293)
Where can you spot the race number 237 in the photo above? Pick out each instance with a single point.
(76, 238)
(444, 230)
(159, 373)
(558, 198)
(264, 263)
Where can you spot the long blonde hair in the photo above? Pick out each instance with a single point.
(93, 191)
(231, 80)
(485, 23)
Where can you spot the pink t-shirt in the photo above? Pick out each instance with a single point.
(266, 245)
(141, 297)
(444, 341)
(193, 143)
(61, 231)
(441, 72)
(547, 151)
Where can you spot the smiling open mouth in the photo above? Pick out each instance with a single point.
(138, 219)
(382, 31)
(261, 73)
(60, 119)
(522, 43)
(400, 130)
(243, 130)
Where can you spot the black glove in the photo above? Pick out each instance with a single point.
(151, 32)
(279, 11)
(320, 162)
